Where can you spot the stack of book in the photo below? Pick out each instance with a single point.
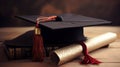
(23, 51)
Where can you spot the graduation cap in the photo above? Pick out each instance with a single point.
(66, 29)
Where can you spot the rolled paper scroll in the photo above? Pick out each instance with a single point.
(70, 52)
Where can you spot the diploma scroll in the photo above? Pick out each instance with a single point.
(68, 53)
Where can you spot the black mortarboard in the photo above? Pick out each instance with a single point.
(68, 28)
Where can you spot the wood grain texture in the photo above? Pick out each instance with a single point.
(109, 56)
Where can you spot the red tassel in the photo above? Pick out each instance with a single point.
(87, 59)
(38, 47)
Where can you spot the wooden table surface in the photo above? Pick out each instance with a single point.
(110, 56)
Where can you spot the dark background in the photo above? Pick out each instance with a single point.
(103, 9)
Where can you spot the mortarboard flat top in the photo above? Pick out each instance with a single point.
(68, 21)
(69, 30)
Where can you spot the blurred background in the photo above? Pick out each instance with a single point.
(103, 9)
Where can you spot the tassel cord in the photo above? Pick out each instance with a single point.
(87, 59)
